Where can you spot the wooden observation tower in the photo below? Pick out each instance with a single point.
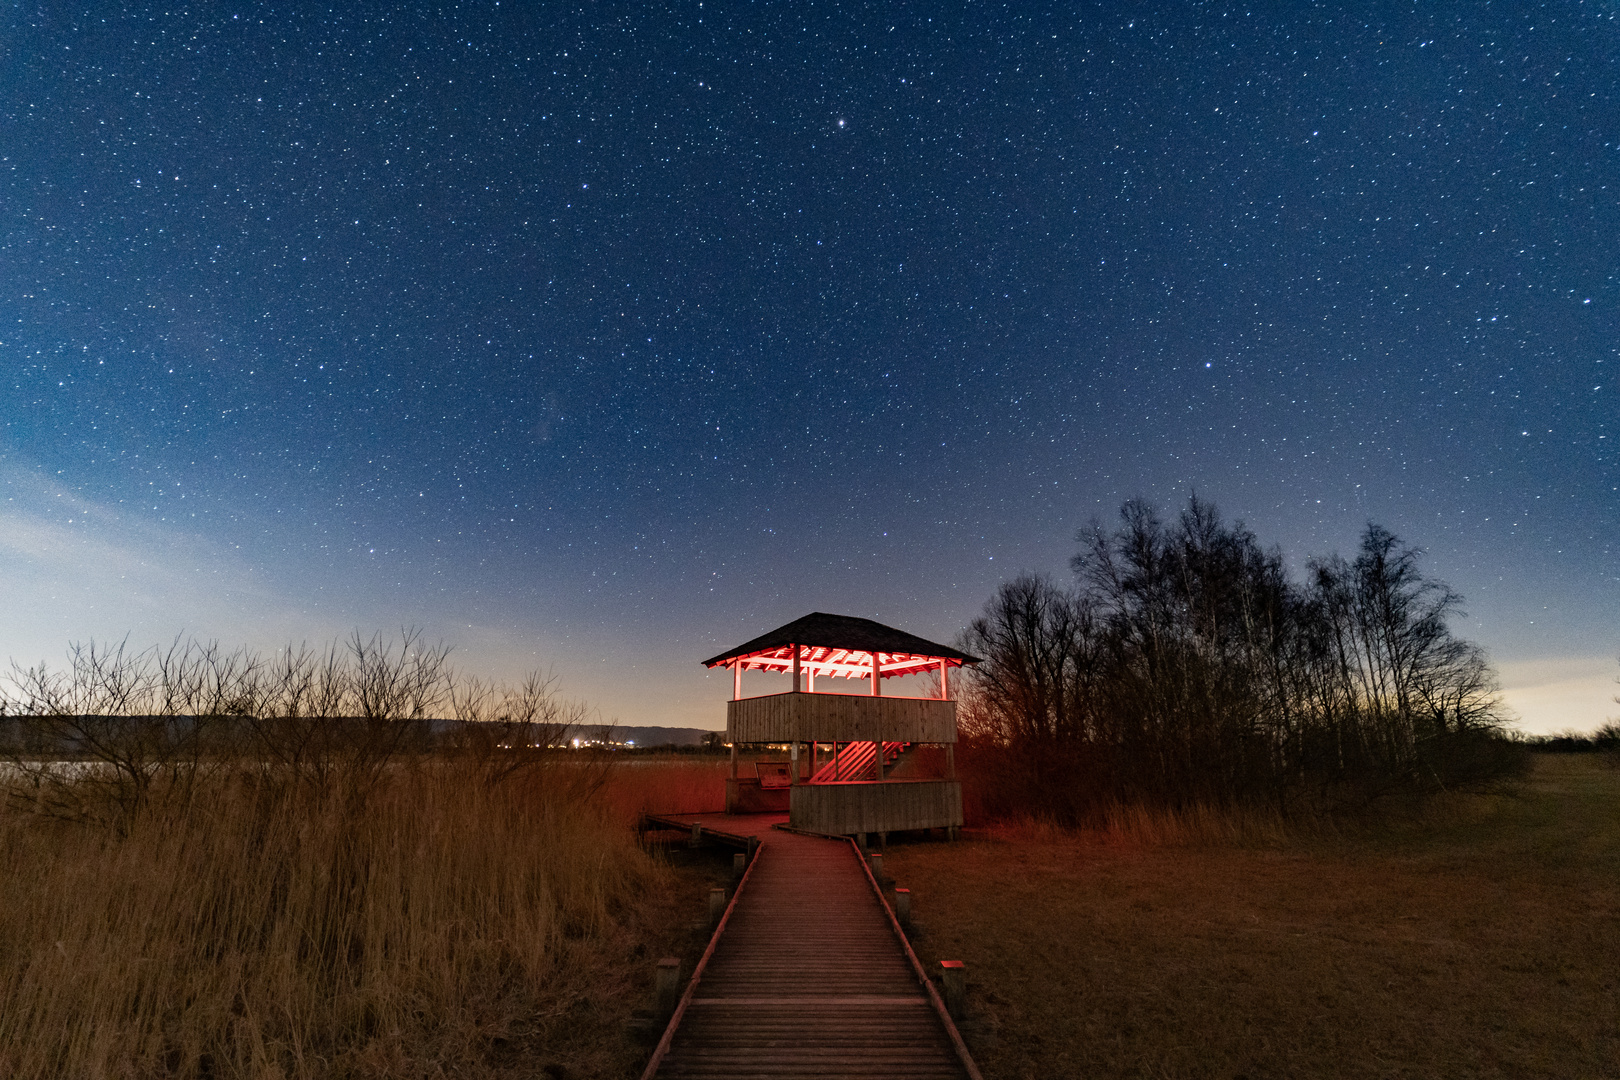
(870, 763)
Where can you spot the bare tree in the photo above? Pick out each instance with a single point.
(1187, 666)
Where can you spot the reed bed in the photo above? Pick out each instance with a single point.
(424, 922)
(664, 785)
(1127, 825)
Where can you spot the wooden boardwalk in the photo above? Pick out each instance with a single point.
(808, 976)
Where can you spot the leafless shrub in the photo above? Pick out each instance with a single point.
(117, 728)
(512, 729)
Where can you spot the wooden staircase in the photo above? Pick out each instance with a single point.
(856, 761)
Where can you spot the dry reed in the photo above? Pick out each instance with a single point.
(665, 785)
(269, 929)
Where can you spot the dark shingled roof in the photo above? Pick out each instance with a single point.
(842, 632)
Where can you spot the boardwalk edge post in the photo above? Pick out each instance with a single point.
(662, 1049)
(953, 980)
(717, 905)
(667, 988)
(922, 976)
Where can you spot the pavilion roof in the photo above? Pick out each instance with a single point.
(836, 642)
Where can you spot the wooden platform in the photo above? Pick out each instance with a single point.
(808, 976)
(862, 806)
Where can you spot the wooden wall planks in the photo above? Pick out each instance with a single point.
(843, 717)
(844, 809)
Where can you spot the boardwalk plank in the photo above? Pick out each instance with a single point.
(808, 979)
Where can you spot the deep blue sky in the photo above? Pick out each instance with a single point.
(604, 337)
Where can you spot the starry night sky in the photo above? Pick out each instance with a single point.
(604, 337)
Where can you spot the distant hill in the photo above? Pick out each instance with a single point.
(645, 736)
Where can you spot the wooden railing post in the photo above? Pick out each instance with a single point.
(953, 987)
(717, 905)
(667, 988)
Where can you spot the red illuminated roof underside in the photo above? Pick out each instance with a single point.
(841, 645)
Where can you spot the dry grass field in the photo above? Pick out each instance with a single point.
(432, 924)
(443, 925)
(1480, 938)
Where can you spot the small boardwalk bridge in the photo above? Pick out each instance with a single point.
(808, 975)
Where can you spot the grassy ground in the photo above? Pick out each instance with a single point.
(1481, 939)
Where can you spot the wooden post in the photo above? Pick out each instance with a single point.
(950, 761)
(795, 649)
(717, 905)
(793, 762)
(667, 988)
(734, 761)
(877, 691)
(944, 684)
(837, 766)
(739, 863)
(953, 987)
(736, 680)
(697, 833)
(902, 907)
(875, 860)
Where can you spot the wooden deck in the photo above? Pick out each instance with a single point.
(808, 976)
